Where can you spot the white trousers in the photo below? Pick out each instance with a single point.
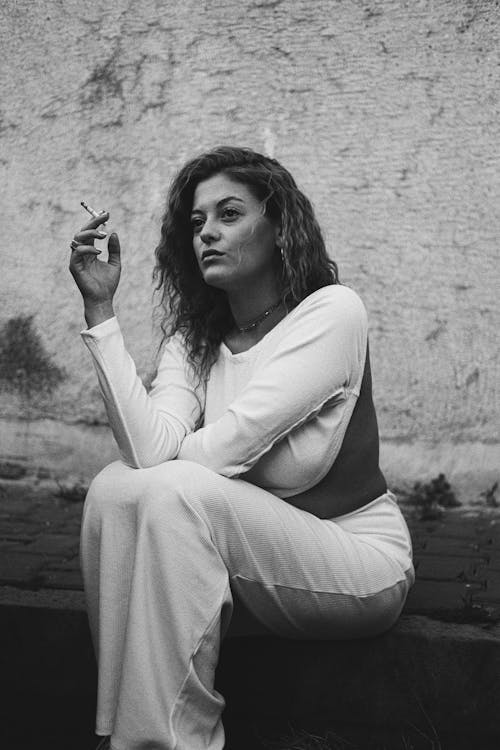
(163, 552)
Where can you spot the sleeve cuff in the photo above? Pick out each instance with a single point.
(101, 329)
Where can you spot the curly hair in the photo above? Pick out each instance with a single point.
(201, 312)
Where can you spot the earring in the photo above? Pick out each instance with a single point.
(282, 255)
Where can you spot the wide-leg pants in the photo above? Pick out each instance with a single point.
(163, 552)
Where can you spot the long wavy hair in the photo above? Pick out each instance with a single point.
(201, 312)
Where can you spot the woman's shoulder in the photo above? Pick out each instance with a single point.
(334, 299)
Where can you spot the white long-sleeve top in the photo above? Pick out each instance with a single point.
(274, 415)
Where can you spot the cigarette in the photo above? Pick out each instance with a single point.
(91, 210)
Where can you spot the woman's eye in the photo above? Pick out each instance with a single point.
(230, 213)
(196, 224)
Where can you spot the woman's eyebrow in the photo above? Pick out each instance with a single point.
(199, 209)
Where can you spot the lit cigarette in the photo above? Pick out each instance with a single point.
(91, 210)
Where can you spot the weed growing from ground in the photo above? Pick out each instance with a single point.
(433, 498)
(490, 496)
(475, 611)
(73, 490)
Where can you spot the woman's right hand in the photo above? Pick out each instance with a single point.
(97, 280)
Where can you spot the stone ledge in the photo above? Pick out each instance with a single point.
(422, 673)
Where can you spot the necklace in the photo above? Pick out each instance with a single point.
(257, 321)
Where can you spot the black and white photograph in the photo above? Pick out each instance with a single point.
(250, 375)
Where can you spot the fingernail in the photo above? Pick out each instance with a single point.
(101, 234)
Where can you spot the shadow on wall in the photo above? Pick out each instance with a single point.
(25, 366)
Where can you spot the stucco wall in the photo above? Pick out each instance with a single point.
(387, 112)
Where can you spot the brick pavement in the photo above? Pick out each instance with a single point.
(457, 558)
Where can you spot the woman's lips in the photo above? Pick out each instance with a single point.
(210, 255)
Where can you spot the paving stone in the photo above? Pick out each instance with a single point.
(468, 529)
(18, 569)
(494, 543)
(493, 579)
(20, 528)
(439, 596)
(10, 545)
(61, 545)
(62, 579)
(462, 528)
(453, 547)
(17, 537)
(493, 562)
(72, 563)
(44, 513)
(12, 491)
(16, 506)
(452, 529)
(434, 567)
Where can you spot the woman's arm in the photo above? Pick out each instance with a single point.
(148, 428)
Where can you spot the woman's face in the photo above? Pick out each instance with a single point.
(234, 242)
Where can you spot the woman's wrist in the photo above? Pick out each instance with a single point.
(98, 312)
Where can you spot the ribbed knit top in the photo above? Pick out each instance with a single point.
(274, 415)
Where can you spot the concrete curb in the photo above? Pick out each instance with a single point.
(440, 677)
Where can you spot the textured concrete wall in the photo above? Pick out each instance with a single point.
(386, 111)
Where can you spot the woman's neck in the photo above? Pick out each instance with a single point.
(238, 341)
(250, 304)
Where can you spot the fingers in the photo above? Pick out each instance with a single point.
(95, 222)
(79, 250)
(114, 250)
(88, 236)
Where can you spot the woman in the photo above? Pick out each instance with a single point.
(249, 471)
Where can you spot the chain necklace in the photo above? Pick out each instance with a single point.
(257, 321)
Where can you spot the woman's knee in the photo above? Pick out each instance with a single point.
(114, 485)
(178, 479)
(175, 491)
(162, 492)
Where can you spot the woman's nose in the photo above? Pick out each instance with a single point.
(209, 232)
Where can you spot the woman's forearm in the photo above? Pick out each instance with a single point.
(148, 427)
